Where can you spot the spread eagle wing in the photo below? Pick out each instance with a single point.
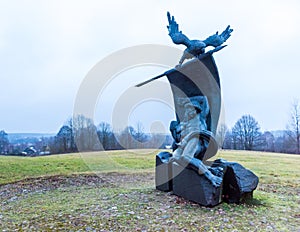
(217, 40)
(226, 33)
(177, 36)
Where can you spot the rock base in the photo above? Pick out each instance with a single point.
(194, 187)
(238, 182)
(163, 172)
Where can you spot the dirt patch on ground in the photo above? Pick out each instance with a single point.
(48, 183)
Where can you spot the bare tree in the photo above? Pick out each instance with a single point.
(220, 135)
(126, 138)
(228, 140)
(72, 136)
(3, 142)
(293, 127)
(283, 143)
(246, 133)
(85, 133)
(268, 142)
(105, 135)
(64, 138)
(139, 135)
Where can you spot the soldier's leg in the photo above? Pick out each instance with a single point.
(177, 153)
(187, 159)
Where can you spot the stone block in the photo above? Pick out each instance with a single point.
(163, 172)
(194, 187)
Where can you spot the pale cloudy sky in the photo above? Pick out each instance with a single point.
(48, 47)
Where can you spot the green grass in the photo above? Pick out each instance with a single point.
(17, 168)
(123, 198)
(272, 166)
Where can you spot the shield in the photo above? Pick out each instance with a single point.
(198, 77)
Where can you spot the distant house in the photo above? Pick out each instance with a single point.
(45, 153)
(30, 151)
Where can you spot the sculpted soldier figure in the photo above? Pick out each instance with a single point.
(192, 137)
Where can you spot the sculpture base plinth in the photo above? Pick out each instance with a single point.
(194, 187)
(163, 172)
(238, 182)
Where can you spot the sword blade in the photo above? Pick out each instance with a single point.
(154, 78)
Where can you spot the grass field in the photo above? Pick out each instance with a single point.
(17, 168)
(62, 192)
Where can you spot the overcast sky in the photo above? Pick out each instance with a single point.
(48, 47)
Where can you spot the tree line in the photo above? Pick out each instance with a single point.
(81, 134)
(246, 135)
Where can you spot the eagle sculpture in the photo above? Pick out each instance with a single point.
(195, 47)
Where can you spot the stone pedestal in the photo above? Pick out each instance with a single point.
(194, 187)
(238, 183)
(163, 172)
